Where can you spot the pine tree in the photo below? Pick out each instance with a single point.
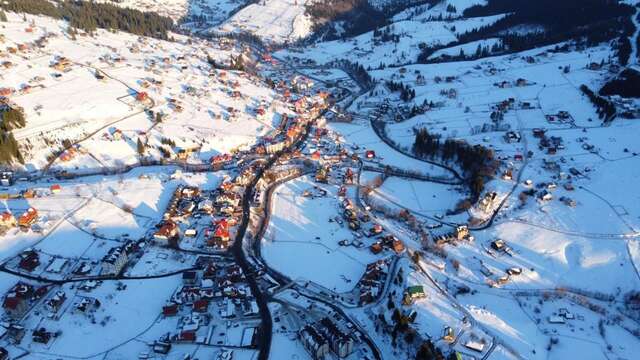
(3, 16)
(141, 148)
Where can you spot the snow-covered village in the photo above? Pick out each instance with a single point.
(319, 179)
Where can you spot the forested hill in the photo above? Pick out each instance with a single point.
(89, 16)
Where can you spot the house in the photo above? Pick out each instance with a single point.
(29, 260)
(414, 292)
(448, 335)
(462, 232)
(219, 160)
(28, 218)
(376, 247)
(521, 82)
(556, 320)
(170, 310)
(142, 96)
(398, 246)
(499, 245)
(114, 261)
(538, 132)
(6, 177)
(375, 230)
(486, 203)
(41, 335)
(512, 137)
(161, 347)
(229, 198)
(201, 305)
(16, 302)
(220, 238)
(568, 201)
(55, 302)
(187, 336)
(7, 220)
(168, 232)
(474, 345)
(322, 175)
(545, 195)
(189, 278)
(370, 154)
(205, 206)
(87, 305)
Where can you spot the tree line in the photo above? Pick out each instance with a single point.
(357, 16)
(476, 161)
(627, 84)
(605, 109)
(9, 148)
(406, 92)
(90, 16)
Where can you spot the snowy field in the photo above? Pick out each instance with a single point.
(274, 21)
(420, 197)
(301, 243)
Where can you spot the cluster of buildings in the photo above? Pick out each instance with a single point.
(520, 82)
(217, 289)
(324, 337)
(551, 143)
(224, 206)
(117, 258)
(387, 242)
(372, 281)
(461, 232)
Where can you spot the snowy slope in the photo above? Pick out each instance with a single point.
(274, 21)
(412, 35)
(91, 110)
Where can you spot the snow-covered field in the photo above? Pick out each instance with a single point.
(274, 21)
(302, 243)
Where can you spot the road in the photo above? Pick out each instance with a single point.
(496, 341)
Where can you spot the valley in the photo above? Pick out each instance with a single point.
(445, 180)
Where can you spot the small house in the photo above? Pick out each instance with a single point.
(29, 260)
(170, 310)
(169, 232)
(28, 218)
(7, 220)
(413, 293)
(499, 245)
(370, 154)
